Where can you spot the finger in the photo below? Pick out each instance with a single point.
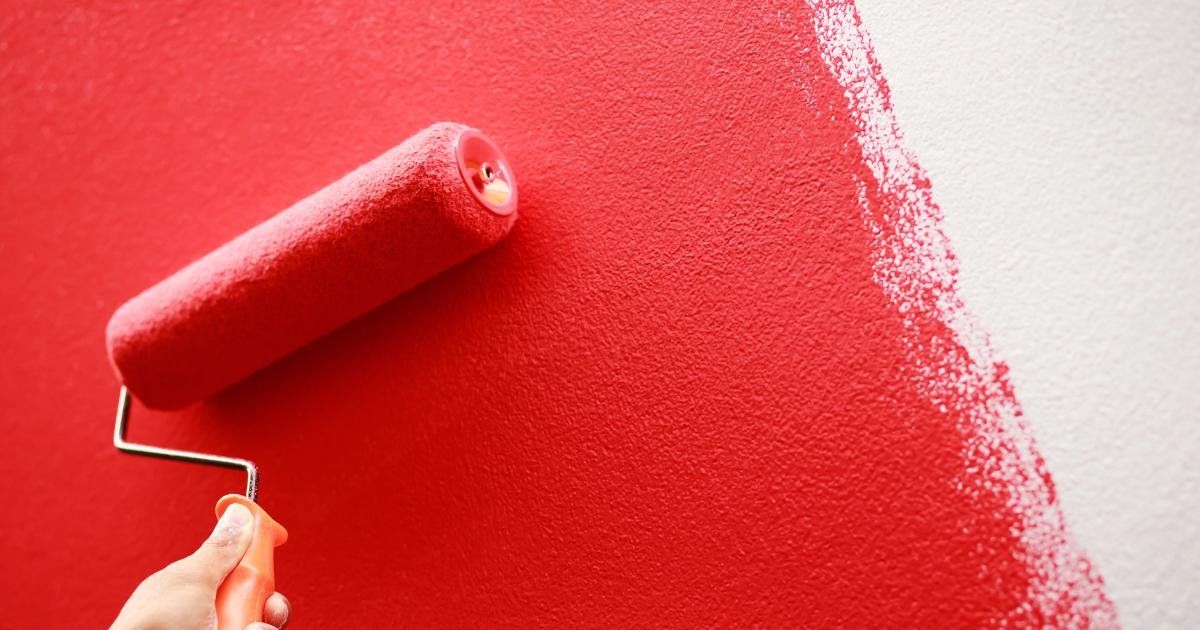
(277, 610)
(224, 548)
(258, 625)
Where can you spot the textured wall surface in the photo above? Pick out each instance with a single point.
(1063, 141)
(719, 373)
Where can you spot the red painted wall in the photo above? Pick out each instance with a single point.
(676, 395)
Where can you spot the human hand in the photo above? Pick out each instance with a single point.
(183, 595)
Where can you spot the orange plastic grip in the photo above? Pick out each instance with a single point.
(241, 597)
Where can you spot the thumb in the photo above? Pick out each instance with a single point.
(224, 547)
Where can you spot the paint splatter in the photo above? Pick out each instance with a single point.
(950, 354)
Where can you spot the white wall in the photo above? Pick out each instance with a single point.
(1063, 142)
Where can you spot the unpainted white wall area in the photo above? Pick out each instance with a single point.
(1063, 142)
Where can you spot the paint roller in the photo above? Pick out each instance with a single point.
(438, 198)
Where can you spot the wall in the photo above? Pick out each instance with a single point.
(1064, 142)
(719, 373)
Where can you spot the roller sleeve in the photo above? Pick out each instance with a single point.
(435, 200)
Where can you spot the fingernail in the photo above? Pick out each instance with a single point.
(236, 515)
(233, 522)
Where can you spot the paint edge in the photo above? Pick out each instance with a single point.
(914, 263)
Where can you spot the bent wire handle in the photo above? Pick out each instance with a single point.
(123, 404)
(242, 594)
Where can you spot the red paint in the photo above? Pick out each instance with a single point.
(372, 235)
(673, 396)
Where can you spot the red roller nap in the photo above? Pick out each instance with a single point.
(440, 197)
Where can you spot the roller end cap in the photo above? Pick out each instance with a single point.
(486, 173)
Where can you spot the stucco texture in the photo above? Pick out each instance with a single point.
(703, 382)
(1064, 144)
